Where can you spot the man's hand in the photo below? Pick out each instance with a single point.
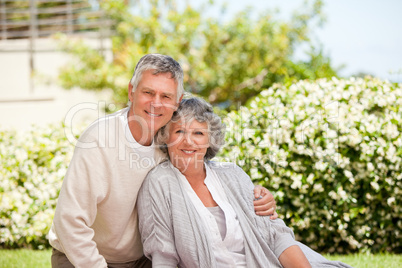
(265, 204)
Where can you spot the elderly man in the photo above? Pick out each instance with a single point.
(96, 220)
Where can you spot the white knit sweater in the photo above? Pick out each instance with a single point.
(96, 219)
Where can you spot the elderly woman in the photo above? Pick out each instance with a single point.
(197, 213)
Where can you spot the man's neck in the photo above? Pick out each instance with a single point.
(143, 138)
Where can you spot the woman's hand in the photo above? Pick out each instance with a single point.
(265, 204)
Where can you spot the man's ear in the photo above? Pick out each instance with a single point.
(130, 92)
(178, 103)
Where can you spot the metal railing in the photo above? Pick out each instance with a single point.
(33, 19)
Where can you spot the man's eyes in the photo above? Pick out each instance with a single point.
(152, 93)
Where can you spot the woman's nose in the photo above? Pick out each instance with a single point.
(188, 138)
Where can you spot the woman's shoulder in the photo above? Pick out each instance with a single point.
(160, 181)
(235, 179)
(161, 172)
(225, 167)
(229, 170)
(161, 169)
(221, 165)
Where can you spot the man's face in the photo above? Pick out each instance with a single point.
(153, 102)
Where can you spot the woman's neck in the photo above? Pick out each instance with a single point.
(194, 173)
(196, 178)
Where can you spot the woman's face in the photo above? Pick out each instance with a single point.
(188, 143)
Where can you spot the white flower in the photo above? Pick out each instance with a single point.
(297, 182)
(370, 166)
(390, 201)
(310, 178)
(321, 166)
(375, 185)
(342, 193)
(318, 187)
(348, 173)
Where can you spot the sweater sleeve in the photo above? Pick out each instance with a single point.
(279, 236)
(283, 236)
(155, 221)
(76, 209)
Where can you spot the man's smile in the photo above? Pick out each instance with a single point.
(152, 114)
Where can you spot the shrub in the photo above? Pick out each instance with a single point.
(331, 151)
(32, 167)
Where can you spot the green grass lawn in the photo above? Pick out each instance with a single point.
(363, 260)
(25, 258)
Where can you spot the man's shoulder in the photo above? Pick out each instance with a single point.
(104, 124)
(107, 120)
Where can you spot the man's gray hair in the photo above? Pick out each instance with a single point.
(202, 111)
(160, 64)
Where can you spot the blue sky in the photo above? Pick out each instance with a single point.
(364, 35)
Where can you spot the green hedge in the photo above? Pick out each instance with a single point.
(32, 167)
(331, 150)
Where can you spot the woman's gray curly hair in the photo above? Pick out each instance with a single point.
(200, 110)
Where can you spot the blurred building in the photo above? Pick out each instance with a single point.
(30, 59)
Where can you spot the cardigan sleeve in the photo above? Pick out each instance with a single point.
(155, 222)
(278, 235)
(283, 236)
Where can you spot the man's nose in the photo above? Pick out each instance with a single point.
(156, 102)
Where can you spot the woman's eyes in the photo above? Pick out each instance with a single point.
(196, 132)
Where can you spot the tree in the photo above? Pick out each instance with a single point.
(227, 63)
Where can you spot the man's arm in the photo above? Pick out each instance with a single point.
(77, 207)
(265, 204)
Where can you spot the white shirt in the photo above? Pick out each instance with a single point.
(228, 252)
(219, 215)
